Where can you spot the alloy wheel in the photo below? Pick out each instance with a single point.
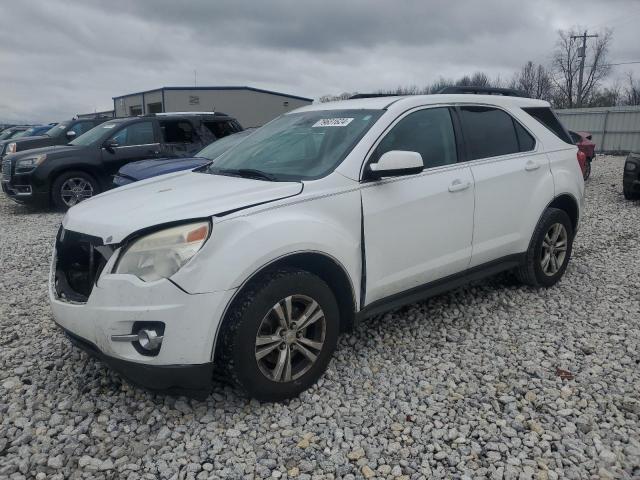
(554, 249)
(290, 338)
(74, 190)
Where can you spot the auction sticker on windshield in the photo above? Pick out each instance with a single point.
(333, 122)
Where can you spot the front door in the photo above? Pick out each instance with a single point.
(136, 141)
(418, 228)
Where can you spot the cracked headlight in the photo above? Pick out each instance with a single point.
(27, 164)
(162, 253)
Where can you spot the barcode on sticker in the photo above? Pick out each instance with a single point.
(333, 122)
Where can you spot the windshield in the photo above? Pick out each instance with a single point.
(7, 134)
(58, 130)
(298, 146)
(23, 133)
(95, 134)
(217, 148)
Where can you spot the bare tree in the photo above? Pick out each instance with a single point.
(478, 79)
(534, 80)
(631, 95)
(565, 66)
(605, 97)
(334, 98)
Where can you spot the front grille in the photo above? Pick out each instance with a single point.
(79, 260)
(6, 170)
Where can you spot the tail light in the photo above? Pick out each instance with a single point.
(582, 160)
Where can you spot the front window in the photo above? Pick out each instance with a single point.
(140, 133)
(428, 132)
(298, 146)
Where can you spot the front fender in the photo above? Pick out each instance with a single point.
(241, 246)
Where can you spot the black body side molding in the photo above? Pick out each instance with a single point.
(438, 287)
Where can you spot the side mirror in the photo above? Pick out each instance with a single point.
(71, 134)
(396, 163)
(110, 145)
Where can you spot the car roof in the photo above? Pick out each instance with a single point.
(409, 101)
(168, 116)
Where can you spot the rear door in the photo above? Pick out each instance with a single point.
(135, 141)
(513, 181)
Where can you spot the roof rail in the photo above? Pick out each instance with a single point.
(372, 95)
(163, 114)
(507, 92)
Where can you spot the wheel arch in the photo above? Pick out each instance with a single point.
(87, 170)
(568, 204)
(318, 263)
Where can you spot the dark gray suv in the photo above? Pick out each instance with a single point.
(64, 175)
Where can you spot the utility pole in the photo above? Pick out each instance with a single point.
(582, 53)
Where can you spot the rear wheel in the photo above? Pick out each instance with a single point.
(71, 188)
(280, 334)
(549, 251)
(629, 194)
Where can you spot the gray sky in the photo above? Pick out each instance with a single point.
(61, 57)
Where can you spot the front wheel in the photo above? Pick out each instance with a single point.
(71, 188)
(279, 335)
(549, 251)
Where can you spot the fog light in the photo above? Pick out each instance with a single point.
(630, 166)
(149, 339)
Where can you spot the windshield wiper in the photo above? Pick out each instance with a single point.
(248, 173)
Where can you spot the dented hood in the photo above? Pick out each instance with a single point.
(118, 213)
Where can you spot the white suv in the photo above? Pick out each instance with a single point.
(253, 265)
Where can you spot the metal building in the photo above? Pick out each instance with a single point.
(252, 107)
(614, 129)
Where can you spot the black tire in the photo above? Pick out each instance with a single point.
(531, 272)
(587, 169)
(236, 349)
(630, 194)
(57, 196)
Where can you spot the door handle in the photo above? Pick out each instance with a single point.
(458, 185)
(530, 166)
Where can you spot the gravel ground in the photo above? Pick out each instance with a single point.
(490, 381)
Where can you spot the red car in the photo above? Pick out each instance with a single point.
(586, 146)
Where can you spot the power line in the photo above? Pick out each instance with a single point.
(614, 64)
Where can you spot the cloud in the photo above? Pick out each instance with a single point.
(65, 57)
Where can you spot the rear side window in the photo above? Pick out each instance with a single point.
(525, 140)
(428, 132)
(221, 129)
(547, 118)
(488, 132)
(177, 131)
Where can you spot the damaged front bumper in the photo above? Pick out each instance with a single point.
(117, 303)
